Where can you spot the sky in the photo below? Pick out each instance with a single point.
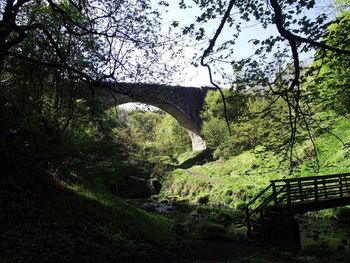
(199, 76)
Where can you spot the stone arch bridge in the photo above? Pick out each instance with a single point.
(183, 103)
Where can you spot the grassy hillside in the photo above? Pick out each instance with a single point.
(77, 225)
(84, 222)
(224, 186)
(234, 181)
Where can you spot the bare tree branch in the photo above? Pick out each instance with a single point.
(288, 35)
(210, 49)
(83, 75)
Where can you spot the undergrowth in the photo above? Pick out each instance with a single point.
(78, 223)
(234, 181)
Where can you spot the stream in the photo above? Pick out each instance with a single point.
(150, 205)
(195, 212)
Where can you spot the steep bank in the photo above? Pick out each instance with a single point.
(233, 181)
(78, 224)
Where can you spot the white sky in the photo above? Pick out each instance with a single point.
(199, 76)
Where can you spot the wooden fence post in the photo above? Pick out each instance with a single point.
(316, 189)
(274, 192)
(300, 191)
(340, 187)
(248, 218)
(288, 193)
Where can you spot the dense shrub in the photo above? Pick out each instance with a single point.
(343, 214)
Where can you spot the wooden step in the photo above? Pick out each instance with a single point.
(268, 218)
(274, 214)
(256, 226)
(268, 221)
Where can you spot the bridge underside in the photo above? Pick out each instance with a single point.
(198, 143)
(184, 104)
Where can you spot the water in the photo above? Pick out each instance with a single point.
(152, 205)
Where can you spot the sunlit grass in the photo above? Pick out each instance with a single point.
(234, 181)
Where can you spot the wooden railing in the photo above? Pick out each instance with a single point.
(288, 192)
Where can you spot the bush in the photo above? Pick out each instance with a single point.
(321, 249)
(215, 132)
(211, 231)
(223, 217)
(203, 199)
(343, 214)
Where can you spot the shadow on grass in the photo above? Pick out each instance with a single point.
(80, 225)
(199, 159)
(71, 226)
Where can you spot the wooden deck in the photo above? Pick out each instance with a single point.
(274, 207)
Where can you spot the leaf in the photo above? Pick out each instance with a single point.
(175, 24)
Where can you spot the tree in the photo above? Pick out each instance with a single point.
(300, 30)
(157, 134)
(49, 48)
(251, 124)
(329, 82)
(236, 104)
(121, 41)
(126, 35)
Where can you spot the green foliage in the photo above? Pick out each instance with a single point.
(321, 249)
(223, 217)
(214, 128)
(342, 4)
(91, 155)
(329, 83)
(317, 253)
(214, 107)
(203, 199)
(186, 156)
(270, 49)
(255, 122)
(209, 230)
(343, 214)
(48, 119)
(171, 137)
(181, 185)
(157, 134)
(215, 132)
(239, 178)
(85, 40)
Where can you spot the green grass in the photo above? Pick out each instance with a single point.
(234, 181)
(318, 253)
(79, 223)
(86, 220)
(181, 184)
(185, 156)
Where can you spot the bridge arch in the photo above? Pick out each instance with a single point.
(183, 103)
(198, 143)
